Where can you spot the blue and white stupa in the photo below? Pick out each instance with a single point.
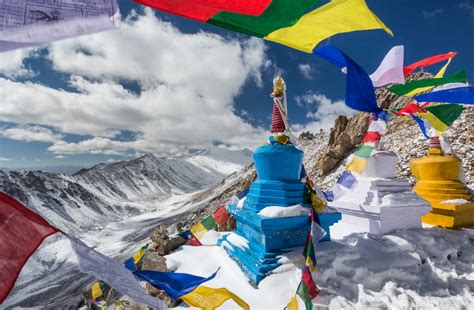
(273, 218)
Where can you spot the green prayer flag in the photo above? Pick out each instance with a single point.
(279, 14)
(208, 222)
(447, 113)
(364, 151)
(402, 89)
(303, 292)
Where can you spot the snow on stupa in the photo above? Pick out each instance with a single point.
(369, 197)
(274, 216)
(438, 180)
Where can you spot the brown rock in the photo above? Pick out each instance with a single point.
(343, 138)
(170, 302)
(167, 246)
(154, 261)
(159, 233)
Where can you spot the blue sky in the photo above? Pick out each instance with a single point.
(235, 105)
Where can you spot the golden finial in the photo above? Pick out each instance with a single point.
(279, 87)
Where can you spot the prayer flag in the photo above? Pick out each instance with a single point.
(337, 16)
(198, 230)
(442, 116)
(203, 10)
(28, 23)
(449, 86)
(390, 70)
(308, 280)
(410, 108)
(364, 150)
(360, 93)
(309, 254)
(21, 233)
(421, 124)
(371, 137)
(192, 240)
(463, 95)
(173, 283)
(139, 255)
(427, 62)
(279, 14)
(221, 216)
(378, 125)
(208, 223)
(210, 298)
(96, 291)
(347, 179)
(112, 272)
(409, 88)
(303, 292)
(292, 304)
(357, 165)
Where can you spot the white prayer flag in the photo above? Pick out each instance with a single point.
(379, 126)
(113, 273)
(317, 233)
(390, 70)
(25, 23)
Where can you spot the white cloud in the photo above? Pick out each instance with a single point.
(4, 159)
(434, 13)
(31, 133)
(307, 70)
(12, 63)
(322, 111)
(468, 6)
(188, 85)
(60, 157)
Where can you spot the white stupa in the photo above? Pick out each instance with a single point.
(373, 201)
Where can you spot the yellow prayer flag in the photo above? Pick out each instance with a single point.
(317, 203)
(437, 124)
(198, 230)
(138, 256)
(96, 291)
(338, 16)
(357, 165)
(438, 75)
(210, 298)
(293, 304)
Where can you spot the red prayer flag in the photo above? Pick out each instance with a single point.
(427, 62)
(193, 241)
(21, 232)
(221, 216)
(203, 10)
(371, 136)
(410, 108)
(313, 290)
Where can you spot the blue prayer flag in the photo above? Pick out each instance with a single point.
(347, 179)
(360, 94)
(173, 283)
(454, 95)
(421, 124)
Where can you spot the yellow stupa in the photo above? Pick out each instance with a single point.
(438, 181)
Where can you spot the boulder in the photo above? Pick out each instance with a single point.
(154, 261)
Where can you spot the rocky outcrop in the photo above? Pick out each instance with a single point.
(343, 138)
(162, 243)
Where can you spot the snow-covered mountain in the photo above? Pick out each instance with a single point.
(109, 192)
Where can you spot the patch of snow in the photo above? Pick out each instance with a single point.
(280, 212)
(457, 201)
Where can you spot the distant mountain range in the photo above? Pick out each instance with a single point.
(109, 192)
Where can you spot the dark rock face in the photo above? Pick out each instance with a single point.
(343, 138)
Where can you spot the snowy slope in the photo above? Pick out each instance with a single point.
(221, 160)
(109, 192)
(430, 268)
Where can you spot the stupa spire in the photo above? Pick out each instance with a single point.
(279, 114)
